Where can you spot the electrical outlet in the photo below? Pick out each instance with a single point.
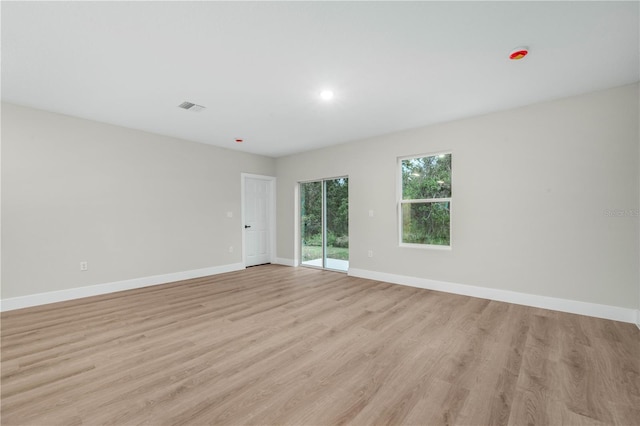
(370, 213)
(84, 266)
(230, 249)
(229, 214)
(370, 253)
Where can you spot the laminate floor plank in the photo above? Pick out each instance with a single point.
(273, 345)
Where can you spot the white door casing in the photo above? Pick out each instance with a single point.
(258, 206)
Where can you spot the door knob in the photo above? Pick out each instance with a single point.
(247, 226)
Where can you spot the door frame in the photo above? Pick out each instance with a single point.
(272, 214)
(298, 224)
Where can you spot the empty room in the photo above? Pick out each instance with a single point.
(320, 213)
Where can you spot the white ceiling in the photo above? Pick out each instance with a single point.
(258, 66)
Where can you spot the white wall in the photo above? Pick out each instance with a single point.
(132, 204)
(530, 191)
(531, 187)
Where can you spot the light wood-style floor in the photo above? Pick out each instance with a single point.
(275, 345)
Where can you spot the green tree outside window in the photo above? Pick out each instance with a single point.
(425, 207)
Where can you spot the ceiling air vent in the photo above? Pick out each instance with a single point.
(190, 106)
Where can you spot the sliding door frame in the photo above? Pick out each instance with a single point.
(323, 222)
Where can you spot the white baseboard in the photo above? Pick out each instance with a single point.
(95, 290)
(283, 261)
(563, 305)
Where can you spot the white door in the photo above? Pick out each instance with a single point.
(257, 220)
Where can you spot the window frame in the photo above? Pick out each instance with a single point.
(401, 202)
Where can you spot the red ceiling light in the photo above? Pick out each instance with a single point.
(518, 53)
(239, 140)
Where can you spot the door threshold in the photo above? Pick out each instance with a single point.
(259, 264)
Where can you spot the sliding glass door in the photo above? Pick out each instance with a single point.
(324, 219)
(311, 231)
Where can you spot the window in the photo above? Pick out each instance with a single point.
(425, 204)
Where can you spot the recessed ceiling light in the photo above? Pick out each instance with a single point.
(326, 95)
